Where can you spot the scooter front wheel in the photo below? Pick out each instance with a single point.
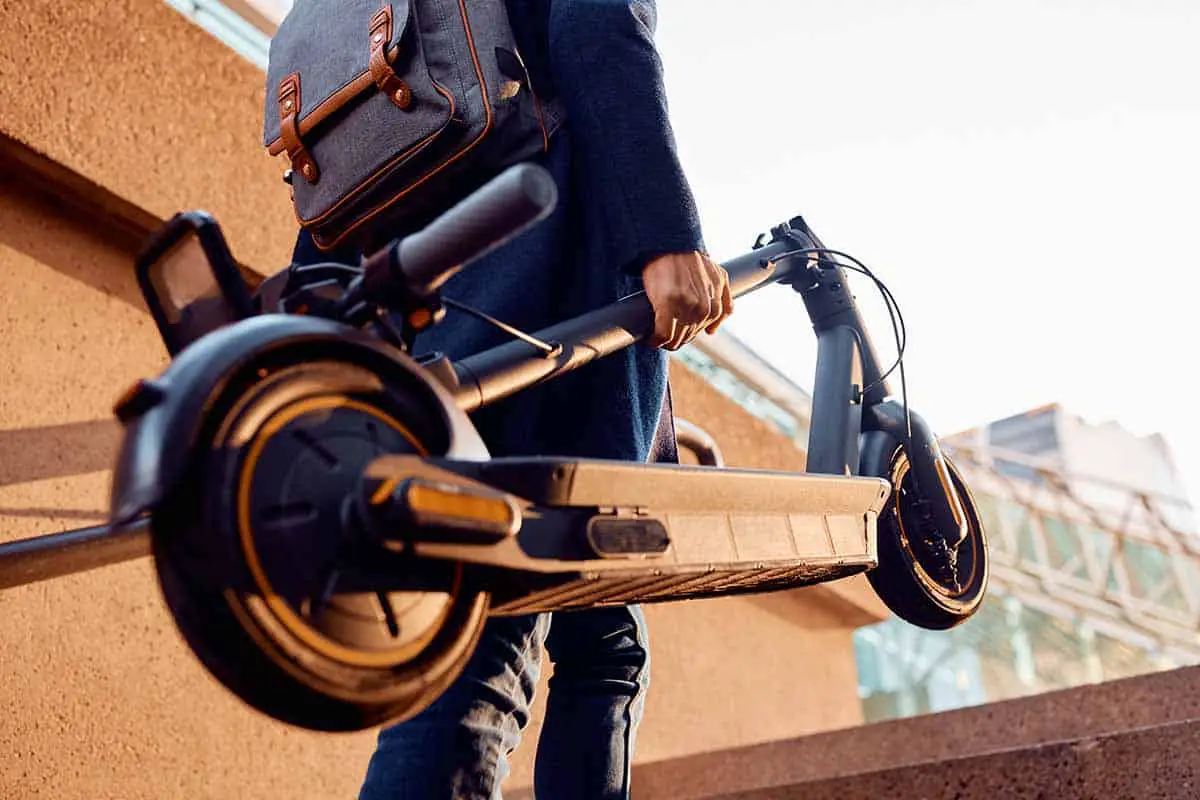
(270, 586)
(919, 584)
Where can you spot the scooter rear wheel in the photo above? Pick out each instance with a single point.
(908, 579)
(251, 553)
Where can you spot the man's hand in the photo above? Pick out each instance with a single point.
(689, 293)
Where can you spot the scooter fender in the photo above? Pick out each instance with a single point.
(163, 417)
(876, 450)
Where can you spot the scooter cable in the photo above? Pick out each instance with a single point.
(899, 329)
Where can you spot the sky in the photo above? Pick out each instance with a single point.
(1024, 176)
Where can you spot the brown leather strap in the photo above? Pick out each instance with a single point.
(381, 70)
(289, 132)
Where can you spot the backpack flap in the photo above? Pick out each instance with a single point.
(349, 96)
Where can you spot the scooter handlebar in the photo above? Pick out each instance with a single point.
(503, 208)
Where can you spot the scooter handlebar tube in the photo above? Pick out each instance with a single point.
(421, 262)
(506, 369)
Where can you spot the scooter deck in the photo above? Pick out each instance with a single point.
(599, 532)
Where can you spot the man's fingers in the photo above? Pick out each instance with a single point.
(690, 293)
(671, 334)
(724, 299)
(713, 311)
(674, 342)
(720, 283)
(726, 305)
(664, 330)
(700, 305)
(683, 335)
(690, 307)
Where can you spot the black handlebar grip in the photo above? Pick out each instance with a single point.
(504, 207)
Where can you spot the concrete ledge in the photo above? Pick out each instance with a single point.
(35, 174)
(1093, 711)
(1161, 762)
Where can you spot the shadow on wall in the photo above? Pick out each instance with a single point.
(44, 222)
(57, 451)
(81, 514)
(48, 191)
(29, 227)
(810, 608)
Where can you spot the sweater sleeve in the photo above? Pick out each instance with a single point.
(608, 76)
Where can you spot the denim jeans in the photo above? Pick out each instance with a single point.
(458, 748)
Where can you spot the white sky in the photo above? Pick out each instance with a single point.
(1025, 177)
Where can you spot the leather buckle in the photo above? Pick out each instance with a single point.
(391, 84)
(289, 130)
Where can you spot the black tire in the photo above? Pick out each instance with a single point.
(907, 586)
(242, 592)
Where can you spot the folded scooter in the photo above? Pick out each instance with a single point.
(330, 532)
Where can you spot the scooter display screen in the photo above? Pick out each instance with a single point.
(186, 286)
(191, 284)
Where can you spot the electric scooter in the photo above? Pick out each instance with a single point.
(330, 533)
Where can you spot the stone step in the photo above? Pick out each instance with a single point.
(1160, 762)
(1132, 706)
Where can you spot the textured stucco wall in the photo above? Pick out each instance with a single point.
(101, 698)
(134, 97)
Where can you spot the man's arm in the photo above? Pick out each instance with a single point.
(608, 75)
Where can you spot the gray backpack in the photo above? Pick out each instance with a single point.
(392, 111)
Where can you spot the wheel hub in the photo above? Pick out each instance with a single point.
(305, 463)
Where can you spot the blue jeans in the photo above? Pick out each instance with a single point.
(458, 748)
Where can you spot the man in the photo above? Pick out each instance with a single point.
(626, 220)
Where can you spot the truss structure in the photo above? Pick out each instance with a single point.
(1109, 558)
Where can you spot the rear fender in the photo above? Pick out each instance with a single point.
(164, 417)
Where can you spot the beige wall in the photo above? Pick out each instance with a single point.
(148, 106)
(100, 697)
